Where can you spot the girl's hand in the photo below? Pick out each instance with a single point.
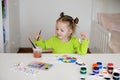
(37, 36)
(84, 35)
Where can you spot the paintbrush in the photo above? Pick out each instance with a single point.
(39, 35)
(32, 43)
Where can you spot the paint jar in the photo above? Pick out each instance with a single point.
(99, 65)
(94, 65)
(116, 74)
(107, 78)
(110, 68)
(82, 78)
(83, 70)
(37, 52)
(96, 70)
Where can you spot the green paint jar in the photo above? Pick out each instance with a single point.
(83, 70)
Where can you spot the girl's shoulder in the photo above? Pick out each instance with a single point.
(73, 38)
(53, 38)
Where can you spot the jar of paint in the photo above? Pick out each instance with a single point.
(110, 68)
(96, 70)
(83, 70)
(99, 65)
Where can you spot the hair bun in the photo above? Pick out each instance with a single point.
(76, 20)
(62, 14)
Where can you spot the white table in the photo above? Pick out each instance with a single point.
(59, 70)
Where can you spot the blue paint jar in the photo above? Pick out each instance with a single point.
(96, 70)
(99, 65)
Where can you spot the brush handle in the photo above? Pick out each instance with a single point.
(32, 43)
(39, 35)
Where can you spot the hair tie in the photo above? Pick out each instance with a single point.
(76, 20)
(62, 14)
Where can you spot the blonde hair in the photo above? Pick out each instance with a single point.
(66, 18)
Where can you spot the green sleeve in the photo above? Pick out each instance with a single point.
(82, 47)
(49, 43)
(45, 44)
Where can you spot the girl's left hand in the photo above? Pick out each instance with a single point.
(84, 35)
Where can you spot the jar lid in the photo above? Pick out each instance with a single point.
(99, 63)
(110, 65)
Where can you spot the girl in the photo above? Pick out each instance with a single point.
(64, 42)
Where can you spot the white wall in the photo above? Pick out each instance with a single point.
(42, 14)
(115, 6)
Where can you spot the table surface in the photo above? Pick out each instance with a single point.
(59, 70)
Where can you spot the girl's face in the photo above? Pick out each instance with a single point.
(63, 30)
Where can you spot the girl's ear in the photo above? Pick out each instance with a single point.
(70, 31)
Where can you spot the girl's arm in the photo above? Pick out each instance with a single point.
(82, 47)
(45, 44)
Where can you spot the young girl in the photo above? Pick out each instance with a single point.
(64, 42)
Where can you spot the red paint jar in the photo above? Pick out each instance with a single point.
(110, 68)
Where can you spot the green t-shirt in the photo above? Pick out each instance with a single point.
(72, 46)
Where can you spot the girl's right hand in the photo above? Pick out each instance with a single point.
(84, 35)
